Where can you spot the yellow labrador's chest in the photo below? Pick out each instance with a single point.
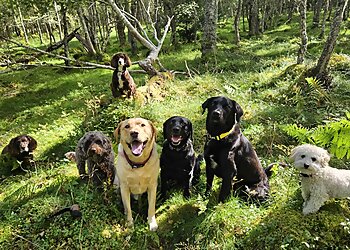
(138, 180)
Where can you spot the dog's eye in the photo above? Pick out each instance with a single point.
(313, 159)
(302, 156)
(127, 126)
(143, 125)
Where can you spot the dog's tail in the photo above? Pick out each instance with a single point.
(268, 169)
(71, 156)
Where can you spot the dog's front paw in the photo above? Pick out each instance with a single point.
(308, 210)
(153, 226)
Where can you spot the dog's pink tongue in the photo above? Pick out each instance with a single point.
(176, 138)
(136, 148)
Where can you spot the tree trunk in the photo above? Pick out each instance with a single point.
(303, 34)
(323, 61)
(23, 26)
(132, 41)
(120, 27)
(209, 28)
(317, 12)
(236, 23)
(65, 32)
(87, 43)
(326, 6)
(40, 33)
(253, 18)
(58, 20)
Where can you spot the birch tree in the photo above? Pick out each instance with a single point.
(209, 28)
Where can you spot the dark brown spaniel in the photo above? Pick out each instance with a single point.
(21, 148)
(122, 82)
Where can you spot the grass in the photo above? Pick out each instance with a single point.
(58, 106)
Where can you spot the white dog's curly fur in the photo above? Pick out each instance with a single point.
(319, 181)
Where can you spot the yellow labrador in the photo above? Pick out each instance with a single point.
(137, 165)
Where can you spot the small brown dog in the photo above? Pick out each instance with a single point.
(137, 165)
(122, 82)
(21, 148)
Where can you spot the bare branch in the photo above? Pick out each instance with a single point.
(150, 20)
(138, 23)
(165, 32)
(136, 34)
(58, 56)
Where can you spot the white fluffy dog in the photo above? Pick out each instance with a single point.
(319, 181)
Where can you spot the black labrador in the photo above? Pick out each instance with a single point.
(228, 153)
(178, 162)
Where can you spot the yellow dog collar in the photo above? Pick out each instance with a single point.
(223, 135)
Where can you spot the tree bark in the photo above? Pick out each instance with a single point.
(323, 61)
(253, 18)
(87, 40)
(65, 32)
(23, 26)
(236, 22)
(303, 34)
(58, 20)
(40, 33)
(209, 28)
(326, 6)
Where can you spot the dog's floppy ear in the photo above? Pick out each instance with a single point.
(206, 104)
(190, 129)
(32, 143)
(127, 60)
(325, 158)
(238, 110)
(12, 146)
(114, 61)
(154, 130)
(293, 153)
(117, 131)
(165, 124)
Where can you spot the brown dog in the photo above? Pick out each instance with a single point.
(122, 82)
(21, 148)
(137, 165)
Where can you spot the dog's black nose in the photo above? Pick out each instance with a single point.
(306, 166)
(216, 113)
(176, 130)
(134, 134)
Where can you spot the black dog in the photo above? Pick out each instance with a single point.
(177, 161)
(96, 149)
(228, 153)
(21, 148)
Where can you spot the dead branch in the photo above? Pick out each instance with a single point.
(59, 56)
(59, 44)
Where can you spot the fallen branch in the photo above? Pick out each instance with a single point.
(59, 56)
(26, 66)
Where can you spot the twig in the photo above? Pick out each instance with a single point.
(188, 70)
(19, 236)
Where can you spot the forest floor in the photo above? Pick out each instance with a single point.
(58, 106)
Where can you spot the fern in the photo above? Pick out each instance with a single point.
(334, 135)
(316, 90)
